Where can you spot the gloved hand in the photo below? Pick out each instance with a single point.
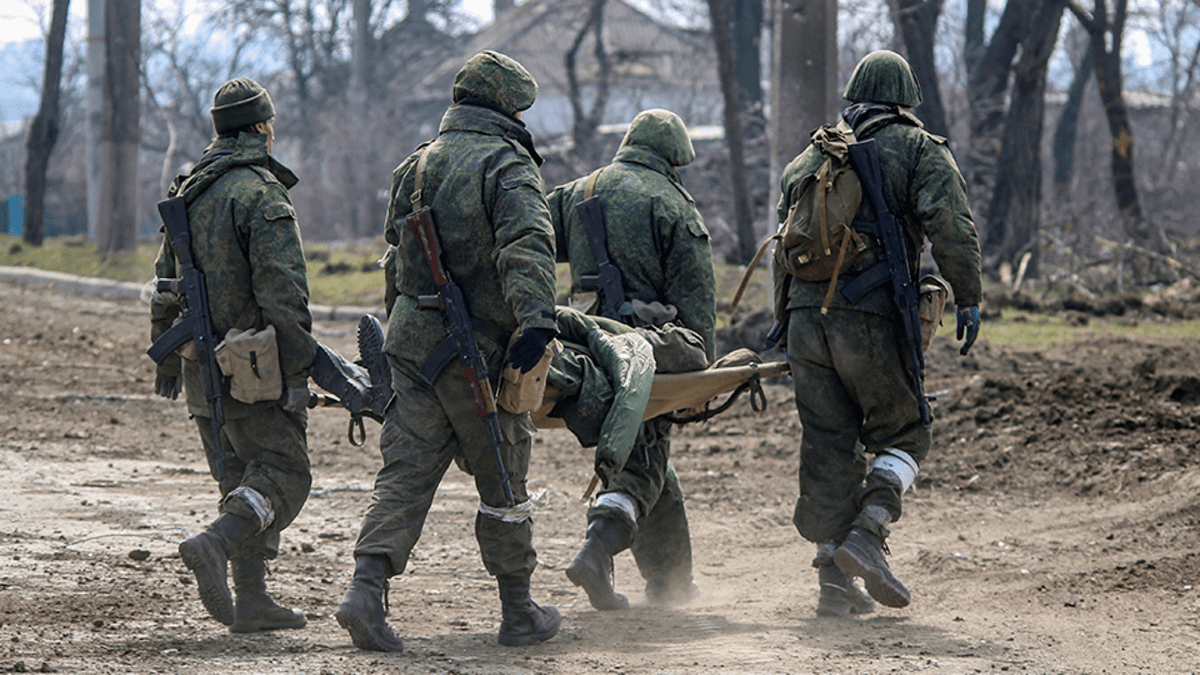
(168, 386)
(528, 348)
(967, 322)
(296, 398)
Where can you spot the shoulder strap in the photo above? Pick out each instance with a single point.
(589, 188)
(415, 198)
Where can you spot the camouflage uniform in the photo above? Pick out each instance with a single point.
(851, 382)
(246, 241)
(482, 182)
(664, 255)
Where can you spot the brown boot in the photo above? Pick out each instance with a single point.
(523, 622)
(255, 610)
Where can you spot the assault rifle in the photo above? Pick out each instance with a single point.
(865, 156)
(459, 327)
(607, 278)
(195, 322)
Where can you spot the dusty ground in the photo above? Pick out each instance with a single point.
(1055, 529)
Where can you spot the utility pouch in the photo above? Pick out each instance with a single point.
(523, 392)
(250, 359)
(933, 293)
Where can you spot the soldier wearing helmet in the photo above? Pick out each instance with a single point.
(480, 177)
(853, 390)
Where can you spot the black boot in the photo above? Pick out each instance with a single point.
(592, 567)
(206, 555)
(254, 610)
(523, 622)
(362, 612)
(861, 555)
(840, 595)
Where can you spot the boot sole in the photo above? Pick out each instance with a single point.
(361, 635)
(217, 601)
(601, 598)
(884, 588)
(298, 621)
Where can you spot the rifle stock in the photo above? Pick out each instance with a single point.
(865, 156)
(607, 278)
(195, 322)
(460, 328)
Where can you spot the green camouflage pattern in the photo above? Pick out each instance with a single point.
(497, 242)
(663, 132)
(253, 261)
(884, 76)
(665, 253)
(926, 192)
(498, 79)
(424, 431)
(269, 453)
(851, 387)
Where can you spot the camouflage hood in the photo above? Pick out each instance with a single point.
(225, 154)
(663, 132)
(495, 78)
(884, 76)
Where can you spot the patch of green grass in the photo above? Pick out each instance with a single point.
(1023, 329)
(77, 255)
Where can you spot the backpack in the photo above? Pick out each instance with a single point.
(814, 243)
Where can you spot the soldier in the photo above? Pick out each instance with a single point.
(480, 177)
(852, 382)
(666, 269)
(246, 241)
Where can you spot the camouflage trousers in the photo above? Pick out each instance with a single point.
(268, 452)
(426, 428)
(661, 544)
(855, 398)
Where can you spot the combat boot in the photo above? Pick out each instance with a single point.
(592, 567)
(522, 621)
(254, 609)
(207, 555)
(861, 555)
(840, 595)
(362, 609)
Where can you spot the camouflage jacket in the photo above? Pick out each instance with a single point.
(485, 190)
(246, 241)
(923, 189)
(656, 237)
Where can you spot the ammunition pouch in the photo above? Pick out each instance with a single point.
(250, 359)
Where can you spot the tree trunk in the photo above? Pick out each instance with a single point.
(1014, 214)
(43, 133)
(95, 118)
(583, 130)
(120, 137)
(917, 20)
(717, 10)
(747, 40)
(988, 69)
(1063, 145)
(360, 194)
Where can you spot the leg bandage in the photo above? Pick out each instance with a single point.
(257, 501)
(621, 502)
(518, 513)
(899, 463)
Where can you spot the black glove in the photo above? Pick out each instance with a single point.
(966, 323)
(167, 386)
(528, 348)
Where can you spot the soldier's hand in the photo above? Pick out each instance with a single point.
(296, 398)
(967, 323)
(167, 386)
(528, 348)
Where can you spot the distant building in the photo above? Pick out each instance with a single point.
(653, 65)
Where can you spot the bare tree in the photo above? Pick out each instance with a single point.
(583, 131)
(917, 23)
(1107, 30)
(1065, 130)
(120, 137)
(43, 132)
(719, 11)
(989, 64)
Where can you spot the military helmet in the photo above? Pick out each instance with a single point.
(663, 132)
(884, 76)
(493, 77)
(239, 103)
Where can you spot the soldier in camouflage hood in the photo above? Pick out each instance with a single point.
(246, 241)
(480, 177)
(665, 261)
(851, 380)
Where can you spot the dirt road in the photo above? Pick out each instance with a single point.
(1054, 529)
